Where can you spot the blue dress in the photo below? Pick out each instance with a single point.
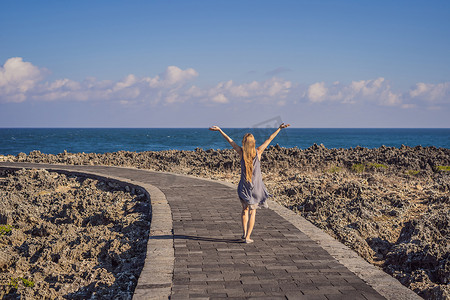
(253, 193)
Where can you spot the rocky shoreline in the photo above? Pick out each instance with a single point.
(391, 205)
(70, 237)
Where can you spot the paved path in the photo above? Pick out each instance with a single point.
(284, 262)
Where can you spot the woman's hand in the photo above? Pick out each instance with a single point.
(214, 128)
(228, 139)
(267, 142)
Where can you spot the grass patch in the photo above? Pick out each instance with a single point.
(333, 170)
(15, 282)
(5, 229)
(443, 168)
(377, 166)
(412, 172)
(358, 168)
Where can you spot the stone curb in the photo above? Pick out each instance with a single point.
(155, 280)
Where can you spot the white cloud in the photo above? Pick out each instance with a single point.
(265, 91)
(376, 90)
(22, 81)
(17, 78)
(172, 76)
(436, 93)
(127, 82)
(389, 98)
(270, 90)
(220, 98)
(277, 87)
(317, 92)
(195, 91)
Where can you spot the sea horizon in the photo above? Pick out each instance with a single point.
(101, 140)
(290, 127)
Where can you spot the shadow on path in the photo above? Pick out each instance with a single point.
(196, 238)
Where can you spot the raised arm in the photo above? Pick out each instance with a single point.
(272, 136)
(228, 139)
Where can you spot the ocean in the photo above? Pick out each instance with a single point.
(101, 140)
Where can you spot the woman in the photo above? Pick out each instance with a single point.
(251, 189)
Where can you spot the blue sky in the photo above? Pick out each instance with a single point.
(229, 63)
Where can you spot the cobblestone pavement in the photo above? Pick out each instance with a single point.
(211, 261)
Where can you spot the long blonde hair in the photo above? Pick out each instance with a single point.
(248, 152)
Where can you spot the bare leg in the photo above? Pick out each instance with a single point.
(244, 216)
(251, 223)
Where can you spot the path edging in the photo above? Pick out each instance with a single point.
(155, 280)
